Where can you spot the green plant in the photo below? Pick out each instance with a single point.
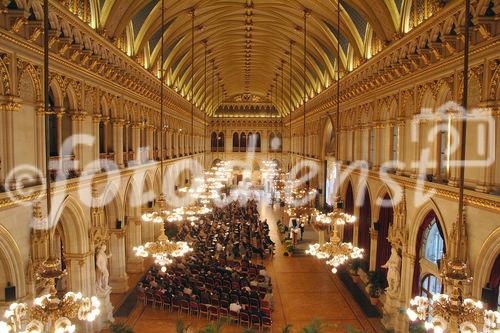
(287, 329)
(355, 266)
(417, 328)
(376, 282)
(215, 327)
(120, 328)
(315, 326)
(180, 327)
(171, 230)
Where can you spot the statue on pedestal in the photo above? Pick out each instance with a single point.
(393, 266)
(102, 272)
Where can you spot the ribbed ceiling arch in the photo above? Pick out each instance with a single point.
(248, 42)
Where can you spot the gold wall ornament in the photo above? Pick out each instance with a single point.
(10, 103)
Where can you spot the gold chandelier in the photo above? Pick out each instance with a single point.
(455, 313)
(163, 250)
(49, 313)
(335, 252)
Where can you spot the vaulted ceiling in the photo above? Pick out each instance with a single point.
(248, 43)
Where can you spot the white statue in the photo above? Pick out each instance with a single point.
(102, 273)
(393, 266)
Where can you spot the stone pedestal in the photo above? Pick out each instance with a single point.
(106, 308)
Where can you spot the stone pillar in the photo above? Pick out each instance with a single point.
(77, 118)
(136, 142)
(167, 136)
(118, 141)
(400, 144)
(355, 229)
(134, 239)
(96, 119)
(149, 142)
(8, 105)
(40, 142)
(118, 278)
(373, 248)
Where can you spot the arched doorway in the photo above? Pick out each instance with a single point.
(365, 221)
(385, 220)
(70, 244)
(349, 209)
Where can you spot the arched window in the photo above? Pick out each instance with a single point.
(432, 248)
(220, 141)
(279, 143)
(250, 142)
(236, 142)
(431, 286)
(349, 209)
(271, 142)
(54, 149)
(213, 142)
(385, 220)
(257, 142)
(365, 221)
(243, 142)
(102, 138)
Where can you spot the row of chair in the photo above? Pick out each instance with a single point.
(261, 321)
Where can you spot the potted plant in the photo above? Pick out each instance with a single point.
(353, 269)
(120, 328)
(375, 286)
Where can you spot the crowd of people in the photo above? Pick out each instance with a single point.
(220, 277)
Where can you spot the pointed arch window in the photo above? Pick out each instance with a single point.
(236, 142)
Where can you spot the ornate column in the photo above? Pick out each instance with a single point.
(134, 263)
(118, 275)
(399, 125)
(118, 141)
(99, 235)
(167, 136)
(8, 105)
(96, 119)
(149, 142)
(77, 118)
(136, 142)
(40, 142)
(399, 297)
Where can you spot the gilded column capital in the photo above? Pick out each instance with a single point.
(96, 118)
(10, 103)
(77, 115)
(117, 122)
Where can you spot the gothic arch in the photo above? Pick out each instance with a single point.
(419, 219)
(11, 263)
(482, 269)
(383, 191)
(5, 88)
(31, 72)
(71, 219)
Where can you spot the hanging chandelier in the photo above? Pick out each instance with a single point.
(49, 313)
(453, 312)
(163, 250)
(335, 252)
